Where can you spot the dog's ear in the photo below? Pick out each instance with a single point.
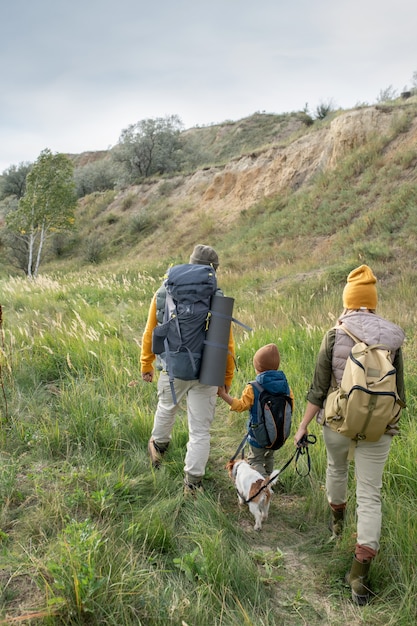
(229, 465)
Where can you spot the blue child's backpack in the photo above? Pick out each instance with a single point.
(274, 416)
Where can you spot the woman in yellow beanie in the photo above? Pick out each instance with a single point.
(360, 319)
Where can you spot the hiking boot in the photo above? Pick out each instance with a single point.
(192, 485)
(336, 522)
(191, 489)
(357, 578)
(156, 451)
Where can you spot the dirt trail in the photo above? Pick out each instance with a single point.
(286, 563)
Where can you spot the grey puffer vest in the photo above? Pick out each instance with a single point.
(369, 328)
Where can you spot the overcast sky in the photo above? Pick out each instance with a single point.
(75, 73)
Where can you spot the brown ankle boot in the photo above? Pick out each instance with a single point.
(357, 578)
(192, 485)
(156, 452)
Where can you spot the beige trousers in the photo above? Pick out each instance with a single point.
(370, 459)
(201, 404)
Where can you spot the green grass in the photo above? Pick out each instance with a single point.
(91, 534)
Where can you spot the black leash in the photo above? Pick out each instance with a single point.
(240, 447)
(301, 449)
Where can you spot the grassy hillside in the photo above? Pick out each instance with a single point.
(362, 209)
(90, 534)
(226, 141)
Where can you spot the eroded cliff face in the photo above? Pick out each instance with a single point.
(224, 192)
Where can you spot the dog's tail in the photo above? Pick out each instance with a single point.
(273, 477)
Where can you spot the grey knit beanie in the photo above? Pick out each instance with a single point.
(204, 255)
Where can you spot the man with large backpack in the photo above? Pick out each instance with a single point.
(351, 346)
(175, 335)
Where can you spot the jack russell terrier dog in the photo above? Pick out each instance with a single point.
(252, 489)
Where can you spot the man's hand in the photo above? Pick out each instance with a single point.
(221, 392)
(147, 377)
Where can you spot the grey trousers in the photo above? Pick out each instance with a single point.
(370, 459)
(261, 459)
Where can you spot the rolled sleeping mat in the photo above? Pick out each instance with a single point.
(214, 360)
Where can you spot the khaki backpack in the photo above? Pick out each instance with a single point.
(367, 400)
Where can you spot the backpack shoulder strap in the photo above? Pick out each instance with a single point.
(257, 385)
(347, 331)
(171, 316)
(257, 390)
(171, 313)
(342, 327)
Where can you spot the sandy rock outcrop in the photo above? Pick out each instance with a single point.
(244, 181)
(225, 191)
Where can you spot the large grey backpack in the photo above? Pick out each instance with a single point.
(179, 340)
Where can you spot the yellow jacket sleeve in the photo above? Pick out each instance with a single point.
(230, 364)
(147, 357)
(246, 400)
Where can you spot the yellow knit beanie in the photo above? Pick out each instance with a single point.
(266, 358)
(360, 289)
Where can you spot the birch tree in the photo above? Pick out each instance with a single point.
(47, 206)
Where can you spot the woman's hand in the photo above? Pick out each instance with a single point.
(301, 432)
(310, 413)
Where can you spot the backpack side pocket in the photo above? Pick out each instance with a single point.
(159, 335)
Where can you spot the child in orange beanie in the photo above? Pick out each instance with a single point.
(266, 362)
